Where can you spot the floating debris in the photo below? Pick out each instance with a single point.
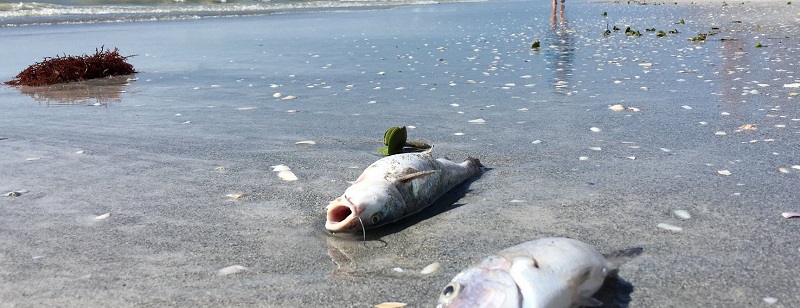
(288, 97)
(771, 300)
(245, 108)
(516, 201)
(595, 129)
(583, 158)
(306, 142)
(103, 216)
(477, 121)
(784, 170)
(791, 215)
(669, 227)
(687, 107)
(433, 267)
(277, 95)
(595, 148)
(32, 158)
(397, 269)
(792, 85)
(537, 141)
(724, 172)
(80, 152)
(748, 127)
(391, 305)
(233, 269)
(720, 133)
(683, 214)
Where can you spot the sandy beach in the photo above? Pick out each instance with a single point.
(139, 190)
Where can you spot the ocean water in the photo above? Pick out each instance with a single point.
(104, 11)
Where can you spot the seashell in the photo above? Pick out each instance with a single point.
(287, 176)
(683, 214)
(430, 268)
(669, 227)
(233, 269)
(617, 107)
(791, 215)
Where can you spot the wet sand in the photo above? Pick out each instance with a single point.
(160, 153)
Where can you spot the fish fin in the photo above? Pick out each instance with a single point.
(589, 302)
(620, 257)
(475, 161)
(410, 176)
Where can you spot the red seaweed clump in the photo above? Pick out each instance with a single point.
(65, 68)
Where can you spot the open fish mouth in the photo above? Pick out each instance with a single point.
(340, 218)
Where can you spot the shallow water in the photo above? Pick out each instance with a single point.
(204, 98)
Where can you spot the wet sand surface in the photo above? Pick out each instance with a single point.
(202, 120)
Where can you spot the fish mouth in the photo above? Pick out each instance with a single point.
(340, 218)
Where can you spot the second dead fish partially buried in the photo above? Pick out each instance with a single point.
(547, 273)
(395, 187)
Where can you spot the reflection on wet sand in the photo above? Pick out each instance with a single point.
(561, 54)
(95, 92)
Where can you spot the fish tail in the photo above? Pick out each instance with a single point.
(620, 257)
(475, 162)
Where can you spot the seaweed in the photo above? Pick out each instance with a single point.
(62, 69)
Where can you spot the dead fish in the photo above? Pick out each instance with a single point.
(549, 272)
(395, 187)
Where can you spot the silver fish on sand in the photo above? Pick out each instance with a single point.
(394, 187)
(549, 272)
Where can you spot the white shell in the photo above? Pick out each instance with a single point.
(430, 268)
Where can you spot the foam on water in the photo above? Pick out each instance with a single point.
(71, 12)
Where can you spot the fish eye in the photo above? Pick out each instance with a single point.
(375, 218)
(451, 290)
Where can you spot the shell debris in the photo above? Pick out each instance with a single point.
(233, 269)
(235, 196)
(391, 305)
(669, 227)
(431, 268)
(748, 127)
(617, 107)
(682, 214)
(790, 215)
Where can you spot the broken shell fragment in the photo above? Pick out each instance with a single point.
(748, 127)
(683, 214)
(430, 268)
(391, 305)
(791, 215)
(235, 196)
(233, 269)
(669, 227)
(617, 107)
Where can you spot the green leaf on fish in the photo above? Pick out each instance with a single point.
(394, 138)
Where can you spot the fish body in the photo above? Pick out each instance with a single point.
(395, 187)
(547, 273)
